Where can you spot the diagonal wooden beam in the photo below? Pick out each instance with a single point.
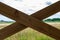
(48, 11)
(10, 30)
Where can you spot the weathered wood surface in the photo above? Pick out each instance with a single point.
(10, 30)
(30, 21)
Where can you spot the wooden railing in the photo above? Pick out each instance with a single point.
(33, 21)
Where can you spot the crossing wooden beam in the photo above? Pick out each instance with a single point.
(34, 22)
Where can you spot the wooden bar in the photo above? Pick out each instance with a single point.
(32, 19)
(10, 30)
(48, 11)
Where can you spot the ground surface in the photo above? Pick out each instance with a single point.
(30, 34)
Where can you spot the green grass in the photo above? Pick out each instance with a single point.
(29, 34)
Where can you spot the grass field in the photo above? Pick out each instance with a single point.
(30, 34)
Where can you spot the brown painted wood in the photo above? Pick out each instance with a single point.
(48, 11)
(10, 30)
(32, 20)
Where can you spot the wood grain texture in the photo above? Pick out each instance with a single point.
(33, 22)
(10, 30)
(48, 11)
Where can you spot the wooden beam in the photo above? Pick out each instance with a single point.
(10, 30)
(48, 11)
(35, 28)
